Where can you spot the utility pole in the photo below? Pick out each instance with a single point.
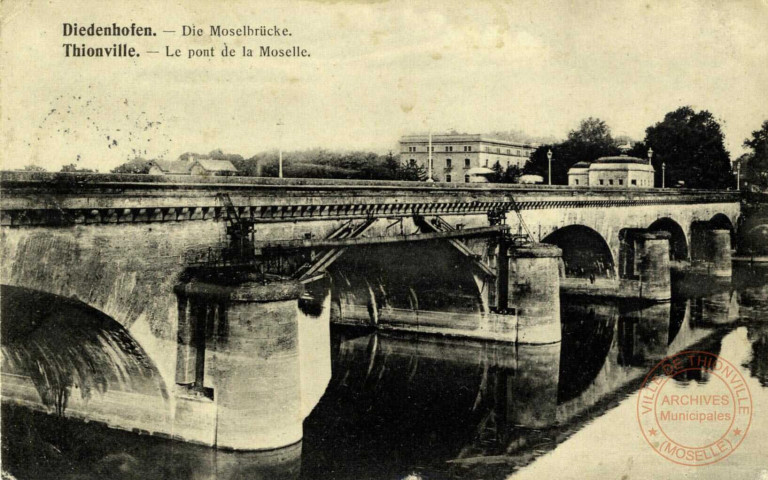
(280, 148)
(429, 158)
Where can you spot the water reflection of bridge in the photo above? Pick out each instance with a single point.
(492, 402)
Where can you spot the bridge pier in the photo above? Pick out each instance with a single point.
(711, 250)
(720, 252)
(533, 289)
(646, 267)
(239, 352)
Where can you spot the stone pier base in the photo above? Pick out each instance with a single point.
(534, 292)
(651, 278)
(253, 381)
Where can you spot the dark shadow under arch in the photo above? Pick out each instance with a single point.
(585, 252)
(431, 276)
(720, 221)
(64, 345)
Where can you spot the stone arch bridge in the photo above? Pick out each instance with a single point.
(239, 353)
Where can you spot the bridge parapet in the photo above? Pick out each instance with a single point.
(33, 198)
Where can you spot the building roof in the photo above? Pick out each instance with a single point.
(580, 165)
(480, 171)
(179, 167)
(621, 159)
(459, 138)
(216, 165)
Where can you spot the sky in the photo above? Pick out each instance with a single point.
(376, 71)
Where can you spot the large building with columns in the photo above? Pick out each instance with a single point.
(454, 154)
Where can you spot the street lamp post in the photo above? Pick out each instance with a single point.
(663, 174)
(738, 176)
(549, 157)
(650, 162)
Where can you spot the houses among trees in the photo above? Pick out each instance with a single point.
(315, 163)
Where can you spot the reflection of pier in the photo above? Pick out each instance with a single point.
(502, 399)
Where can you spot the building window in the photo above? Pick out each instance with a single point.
(448, 178)
(413, 160)
(498, 150)
(447, 163)
(576, 181)
(621, 182)
(487, 148)
(466, 178)
(468, 148)
(601, 181)
(411, 149)
(634, 182)
(486, 163)
(508, 151)
(467, 162)
(448, 149)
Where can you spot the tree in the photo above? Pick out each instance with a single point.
(691, 145)
(590, 141)
(73, 168)
(498, 173)
(511, 174)
(755, 168)
(412, 171)
(137, 165)
(592, 131)
(33, 168)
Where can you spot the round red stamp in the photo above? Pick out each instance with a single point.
(694, 408)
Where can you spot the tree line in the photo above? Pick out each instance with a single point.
(689, 144)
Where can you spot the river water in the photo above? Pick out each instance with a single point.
(425, 407)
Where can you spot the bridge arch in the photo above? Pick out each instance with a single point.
(678, 242)
(68, 351)
(585, 252)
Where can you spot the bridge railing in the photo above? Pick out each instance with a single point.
(82, 181)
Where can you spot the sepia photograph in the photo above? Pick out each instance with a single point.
(384, 239)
